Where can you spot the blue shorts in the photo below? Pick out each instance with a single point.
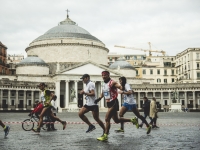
(129, 106)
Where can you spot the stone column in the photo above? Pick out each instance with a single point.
(76, 91)
(120, 100)
(32, 99)
(154, 93)
(25, 100)
(161, 100)
(9, 101)
(16, 99)
(139, 107)
(194, 100)
(169, 99)
(84, 101)
(58, 95)
(102, 100)
(146, 94)
(66, 93)
(1, 98)
(185, 99)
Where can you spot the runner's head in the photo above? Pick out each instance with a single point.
(85, 78)
(122, 81)
(42, 86)
(105, 75)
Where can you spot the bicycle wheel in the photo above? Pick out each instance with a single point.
(27, 125)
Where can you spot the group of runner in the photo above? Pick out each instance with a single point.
(110, 91)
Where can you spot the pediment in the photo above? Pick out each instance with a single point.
(89, 68)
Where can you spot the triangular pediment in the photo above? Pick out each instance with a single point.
(89, 67)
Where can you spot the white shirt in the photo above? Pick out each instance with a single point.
(128, 98)
(54, 109)
(90, 99)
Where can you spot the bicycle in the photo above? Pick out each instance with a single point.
(28, 124)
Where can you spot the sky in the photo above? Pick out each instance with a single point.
(169, 25)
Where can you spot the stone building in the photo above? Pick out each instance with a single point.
(61, 56)
(3, 61)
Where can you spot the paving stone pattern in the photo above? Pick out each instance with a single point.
(177, 131)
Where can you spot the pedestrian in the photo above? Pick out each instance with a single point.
(129, 104)
(54, 110)
(109, 92)
(153, 113)
(90, 96)
(46, 97)
(146, 108)
(5, 128)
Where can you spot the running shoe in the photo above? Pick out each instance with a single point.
(36, 130)
(64, 123)
(149, 129)
(135, 122)
(119, 130)
(155, 127)
(91, 128)
(6, 130)
(103, 138)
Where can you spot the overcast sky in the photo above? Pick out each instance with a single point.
(170, 25)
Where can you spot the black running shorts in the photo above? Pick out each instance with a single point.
(114, 103)
(92, 108)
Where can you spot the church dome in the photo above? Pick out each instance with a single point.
(32, 60)
(122, 63)
(66, 29)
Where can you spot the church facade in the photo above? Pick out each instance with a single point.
(61, 56)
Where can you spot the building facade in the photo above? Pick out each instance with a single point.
(3, 60)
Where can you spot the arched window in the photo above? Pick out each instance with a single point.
(158, 80)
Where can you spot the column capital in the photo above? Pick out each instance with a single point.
(193, 91)
(67, 81)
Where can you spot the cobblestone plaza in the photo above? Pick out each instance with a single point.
(177, 131)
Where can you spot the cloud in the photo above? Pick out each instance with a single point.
(169, 25)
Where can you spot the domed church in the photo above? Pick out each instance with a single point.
(59, 58)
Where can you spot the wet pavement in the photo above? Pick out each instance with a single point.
(177, 131)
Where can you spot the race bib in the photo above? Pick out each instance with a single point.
(106, 95)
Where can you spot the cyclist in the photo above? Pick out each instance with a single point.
(46, 97)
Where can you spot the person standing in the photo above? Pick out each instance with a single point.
(129, 104)
(46, 97)
(109, 92)
(90, 96)
(153, 113)
(146, 108)
(5, 128)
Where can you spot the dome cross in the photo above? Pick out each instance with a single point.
(67, 13)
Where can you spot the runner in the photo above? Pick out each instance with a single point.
(129, 104)
(89, 92)
(46, 97)
(110, 94)
(5, 128)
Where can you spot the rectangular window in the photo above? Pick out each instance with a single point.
(183, 102)
(172, 72)
(158, 71)
(197, 55)
(197, 65)
(137, 72)
(198, 75)
(165, 80)
(165, 72)
(165, 102)
(151, 71)
(144, 71)
(21, 94)
(158, 80)
(172, 80)
(12, 102)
